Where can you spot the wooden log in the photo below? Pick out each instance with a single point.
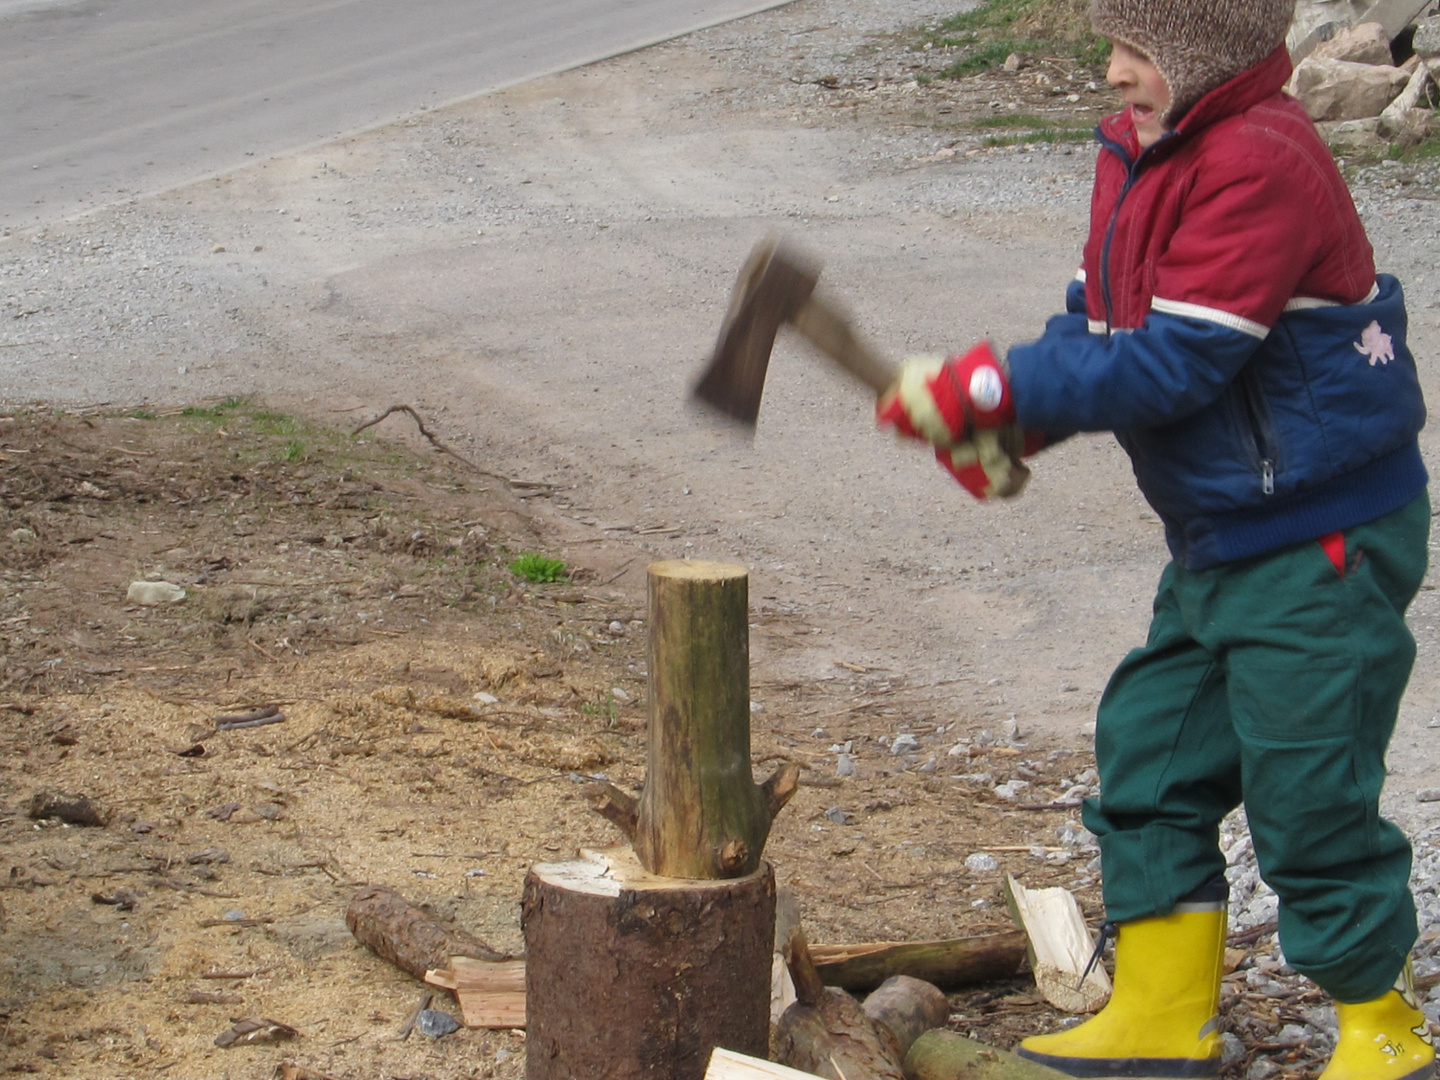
(408, 936)
(631, 976)
(908, 1007)
(827, 1033)
(1059, 947)
(701, 814)
(945, 1055)
(950, 963)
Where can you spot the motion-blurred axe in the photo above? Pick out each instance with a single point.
(777, 286)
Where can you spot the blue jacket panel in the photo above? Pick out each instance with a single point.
(1243, 444)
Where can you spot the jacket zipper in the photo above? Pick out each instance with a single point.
(1260, 433)
(1132, 176)
(1250, 389)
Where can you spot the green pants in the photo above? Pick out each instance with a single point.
(1274, 681)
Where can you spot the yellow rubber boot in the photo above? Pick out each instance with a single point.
(1162, 1019)
(1384, 1039)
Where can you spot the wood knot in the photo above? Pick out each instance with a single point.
(732, 857)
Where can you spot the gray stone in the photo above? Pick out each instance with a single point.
(436, 1024)
(1364, 44)
(1395, 15)
(1340, 90)
(904, 744)
(1429, 794)
(982, 862)
(1353, 136)
(1232, 1050)
(1427, 38)
(151, 593)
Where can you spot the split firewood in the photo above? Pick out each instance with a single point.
(945, 1055)
(408, 936)
(728, 1065)
(949, 963)
(1060, 947)
(909, 1008)
(491, 994)
(827, 1033)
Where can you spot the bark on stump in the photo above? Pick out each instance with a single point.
(701, 814)
(631, 976)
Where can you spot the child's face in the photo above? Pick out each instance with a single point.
(1145, 90)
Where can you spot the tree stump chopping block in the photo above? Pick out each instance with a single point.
(631, 976)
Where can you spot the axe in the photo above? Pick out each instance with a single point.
(777, 286)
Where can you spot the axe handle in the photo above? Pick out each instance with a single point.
(830, 332)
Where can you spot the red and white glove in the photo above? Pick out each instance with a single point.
(945, 402)
(988, 464)
(962, 406)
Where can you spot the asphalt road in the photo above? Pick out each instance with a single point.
(104, 99)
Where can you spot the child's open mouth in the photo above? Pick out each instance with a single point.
(1140, 113)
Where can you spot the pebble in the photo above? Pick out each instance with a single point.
(982, 862)
(151, 593)
(487, 699)
(1429, 794)
(844, 765)
(839, 816)
(904, 744)
(435, 1023)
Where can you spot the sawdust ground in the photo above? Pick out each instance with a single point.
(361, 586)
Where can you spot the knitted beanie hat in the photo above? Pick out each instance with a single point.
(1196, 44)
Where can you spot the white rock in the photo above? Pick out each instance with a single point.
(619, 694)
(23, 535)
(980, 861)
(1429, 794)
(151, 593)
(487, 699)
(1340, 90)
(904, 743)
(845, 765)
(1363, 44)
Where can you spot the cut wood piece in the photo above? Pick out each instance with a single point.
(949, 963)
(491, 995)
(944, 1055)
(908, 1007)
(631, 976)
(728, 1065)
(1060, 947)
(701, 814)
(834, 1038)
(408, 936)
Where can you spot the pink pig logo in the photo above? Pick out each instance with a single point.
(1375, 344)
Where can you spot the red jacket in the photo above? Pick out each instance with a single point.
(1208, 227)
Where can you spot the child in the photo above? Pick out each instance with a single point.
(1229, 328)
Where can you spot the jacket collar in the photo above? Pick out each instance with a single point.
(1249, 88)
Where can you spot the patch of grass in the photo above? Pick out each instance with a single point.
(1043, 135)
(538, 569)
(989, 33)
(144, 414)
(294, 450)
(1010, 120)
(214, 412)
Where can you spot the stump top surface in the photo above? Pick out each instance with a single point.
(696, 570)
(610, 871)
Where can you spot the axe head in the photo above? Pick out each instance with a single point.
(774, 283)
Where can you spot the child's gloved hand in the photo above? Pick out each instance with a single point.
(944, 402)
(988, 463)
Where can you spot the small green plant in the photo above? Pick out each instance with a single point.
(606, 709)
(539, 569)
(144, 414)
(294, 450)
